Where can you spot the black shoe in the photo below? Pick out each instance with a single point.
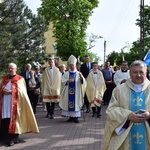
(98, 115)
(93, 115)
(76, 120)
(16, 141)
(51, 117)
(70, 119)
(47, 116)
(87, 111)
(11, 143)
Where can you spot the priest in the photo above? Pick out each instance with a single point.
(71, 98)
(95, 89)
(128, 113)
(16, 115)
(51, 84)
(122, 75)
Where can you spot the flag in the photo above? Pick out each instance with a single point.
(147, 58)
(115, 63)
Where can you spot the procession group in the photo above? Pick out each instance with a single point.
(124, 89)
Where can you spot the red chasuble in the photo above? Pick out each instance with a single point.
(22, 118)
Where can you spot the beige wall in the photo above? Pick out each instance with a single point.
(49, 40)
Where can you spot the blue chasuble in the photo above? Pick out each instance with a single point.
(138, 138)
(71, 93)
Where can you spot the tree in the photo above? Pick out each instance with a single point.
(21, 34)
(136, 44)
(70, 19)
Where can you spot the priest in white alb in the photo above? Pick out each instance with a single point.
(95, 89)
(122, 75)
(51, 84)
(71, 98)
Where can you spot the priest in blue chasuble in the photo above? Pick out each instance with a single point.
(73, 89)
(128, 113)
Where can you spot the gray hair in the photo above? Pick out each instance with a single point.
(12, 64)
(138, 63)
(29, 65)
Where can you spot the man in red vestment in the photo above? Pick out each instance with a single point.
(16, 115)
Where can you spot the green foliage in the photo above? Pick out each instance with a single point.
(94, 57)
(70, 19)
(21, 34)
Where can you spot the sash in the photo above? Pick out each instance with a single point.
(71, 93)
(138, 131)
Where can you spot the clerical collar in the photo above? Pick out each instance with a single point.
(124, 70)
(11, 76)
(51, 67)
(95, 72)
(138, 87)
(72, 71)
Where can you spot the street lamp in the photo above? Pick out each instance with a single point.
(104, 48)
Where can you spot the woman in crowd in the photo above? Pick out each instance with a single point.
(34, 90)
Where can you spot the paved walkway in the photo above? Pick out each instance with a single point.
(57, 134)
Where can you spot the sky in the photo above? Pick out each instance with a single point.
(114, 20)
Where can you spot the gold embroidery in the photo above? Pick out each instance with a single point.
(71, 91)
(71, 104)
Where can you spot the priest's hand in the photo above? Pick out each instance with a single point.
(123, 81)
(145, 114)
(138, 116)
(71, 80)
(6, 91)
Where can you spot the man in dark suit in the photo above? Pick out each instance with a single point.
(26, 75)
(85, 68)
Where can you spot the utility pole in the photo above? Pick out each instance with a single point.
(104, 51)
(142, 31)
(104, 47)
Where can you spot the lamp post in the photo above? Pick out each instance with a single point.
(104, 48)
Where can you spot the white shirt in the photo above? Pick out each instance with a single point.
(7, 102)
(88, 65)
(95, 78)
(51, 74)
(27, 74)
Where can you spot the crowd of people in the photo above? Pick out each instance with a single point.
(75, 87)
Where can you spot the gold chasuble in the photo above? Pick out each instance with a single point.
(51, 89)
(22, 118)
(117, 113)
(94, 91)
